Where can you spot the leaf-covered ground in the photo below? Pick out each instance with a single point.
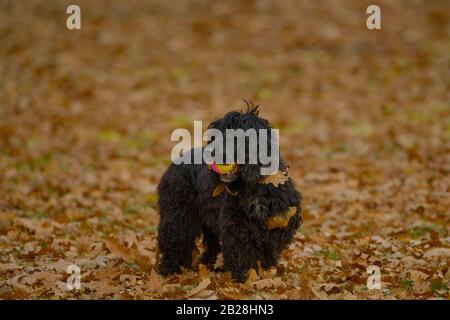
(86, 117)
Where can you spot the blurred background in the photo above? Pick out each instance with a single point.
(364, 119)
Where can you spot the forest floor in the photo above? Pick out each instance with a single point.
(86, 117)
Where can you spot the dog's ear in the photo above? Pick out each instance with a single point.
(250, 173)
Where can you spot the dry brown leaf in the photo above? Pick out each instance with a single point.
(9, 266)
(154, 284)
(269, 283)
(60, 266)
(15, 282)
(45, 277)
(206, 294)
(201, 286)
(306, 289)
(447, 275)
(263, 283)
(252, 276)
(119, 250)
(437, 252)
(203, 271)
(142, 261)
(276, 179)
(417, 275)
(128, 279)
(293, 294)
(129, 254)
(420, 286)
(233, 294)
(219, 261)
(281, 221)
(42, 229)
(319, 294)
(102, 288)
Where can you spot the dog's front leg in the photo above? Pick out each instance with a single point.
(237, 261)
(240, 251)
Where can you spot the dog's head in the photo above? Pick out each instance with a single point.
(244, 168)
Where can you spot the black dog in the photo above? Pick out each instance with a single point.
(238, 213)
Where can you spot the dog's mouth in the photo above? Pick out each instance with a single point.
(230, 176)
(227, 172)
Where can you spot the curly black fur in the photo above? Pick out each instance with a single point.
(232, 224)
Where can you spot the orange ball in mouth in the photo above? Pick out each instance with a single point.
(223, 168)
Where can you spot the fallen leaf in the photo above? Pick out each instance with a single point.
(117, 249)
(201, 286)
(9, 266)
(218, 190)
(154, 284)
(252, 276)
(276, 179)
(437, 252)
(282, 220)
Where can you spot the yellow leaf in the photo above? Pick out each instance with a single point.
(225, 168)
(282, 220)
(218, 190)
